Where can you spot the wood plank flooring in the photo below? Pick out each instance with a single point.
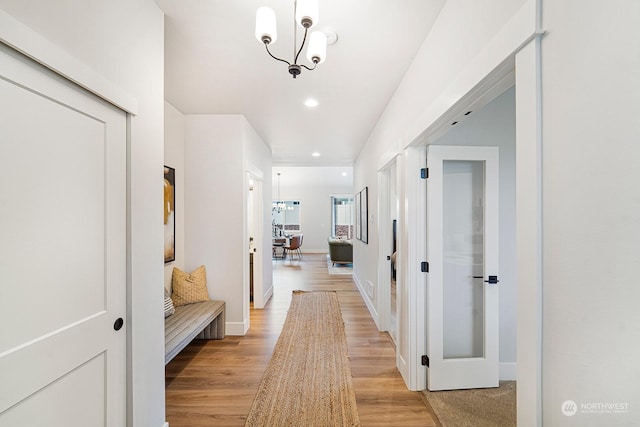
(213, 383)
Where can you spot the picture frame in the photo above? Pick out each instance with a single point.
(169, 214)
(362, 215)
(357, 217)
(364, 209)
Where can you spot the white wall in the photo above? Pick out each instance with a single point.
(100, 34)
(174, 157)
(214, 196)
(494, 125)
(591, 210)
(437, 78)
(461, 31)
(313, 187)
(218, 149)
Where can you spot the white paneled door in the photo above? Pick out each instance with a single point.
(462, 284)
(62, 251)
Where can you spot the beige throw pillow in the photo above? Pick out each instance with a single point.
(189, 288)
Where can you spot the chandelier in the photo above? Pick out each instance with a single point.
(305, 13)
(278, 206)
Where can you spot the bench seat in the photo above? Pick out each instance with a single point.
(201, 320)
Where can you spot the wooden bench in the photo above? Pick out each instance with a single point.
(201, 320)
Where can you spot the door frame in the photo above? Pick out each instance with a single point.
(384, 243)
(493, 85)
(31, 44)
(519, 43)
(255, 174)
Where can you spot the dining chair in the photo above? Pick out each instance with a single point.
(294, 246)
(278, 245)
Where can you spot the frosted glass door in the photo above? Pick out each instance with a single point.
(462, 251)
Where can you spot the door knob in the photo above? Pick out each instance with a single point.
(117, 325)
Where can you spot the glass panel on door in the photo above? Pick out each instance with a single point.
(463, 258)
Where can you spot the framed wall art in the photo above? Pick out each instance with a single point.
(362, 215)
(364, 212)
(358, 219)
(169, 214)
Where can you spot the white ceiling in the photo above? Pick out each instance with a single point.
(294, 179)
(215, 65)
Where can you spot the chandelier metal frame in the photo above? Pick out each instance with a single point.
(306, 17)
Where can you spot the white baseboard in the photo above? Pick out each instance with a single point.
(402, 366)
(267, 295)
(508, 371)
(365, 296)
(236, 328)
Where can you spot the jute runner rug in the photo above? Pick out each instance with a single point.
(308, 379)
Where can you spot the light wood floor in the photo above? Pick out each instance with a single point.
(213, 383)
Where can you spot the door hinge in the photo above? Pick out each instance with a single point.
(424, 173)
(425, 360)
(424, 266)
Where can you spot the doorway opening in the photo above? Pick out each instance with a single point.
(255, 241)
(342, 216)
(459, 238)
(389, 271)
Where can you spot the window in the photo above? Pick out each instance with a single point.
(285, 217)
(342, 216)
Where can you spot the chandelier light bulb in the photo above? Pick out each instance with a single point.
(317, 50)
(266, 31)
(307, 13)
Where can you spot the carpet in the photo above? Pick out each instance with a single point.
(308, 379)
(488, 407)
(339, 268)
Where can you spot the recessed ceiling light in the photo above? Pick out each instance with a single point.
(344, 174)
(311, 102)
(315, 154)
